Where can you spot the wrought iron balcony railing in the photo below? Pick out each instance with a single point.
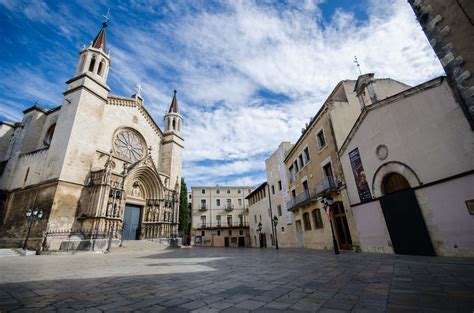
(203, 207)
(222, 225)
(229, 207)
(327, 185)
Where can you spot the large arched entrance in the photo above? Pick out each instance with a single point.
(146, 209)
(393, 182)
(403, 216)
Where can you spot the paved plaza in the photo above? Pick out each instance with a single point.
(235, 280)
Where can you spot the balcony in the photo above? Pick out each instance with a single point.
(229, 207)
(324, 187)
(203, 207)
(221, 225)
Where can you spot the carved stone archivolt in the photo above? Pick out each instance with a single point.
(139, 182)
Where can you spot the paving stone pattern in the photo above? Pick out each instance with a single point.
(236, 280)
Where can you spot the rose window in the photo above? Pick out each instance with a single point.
(129, 145)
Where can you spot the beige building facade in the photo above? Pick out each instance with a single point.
(98, 166)
(220, 216)
(316, 180)
(408, 164)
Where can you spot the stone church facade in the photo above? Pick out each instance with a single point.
(98, 166)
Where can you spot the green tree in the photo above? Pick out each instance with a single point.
(183, 208)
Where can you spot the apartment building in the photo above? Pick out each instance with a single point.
(220, 216)
(262, 234)
(277, 181)
(318, 201)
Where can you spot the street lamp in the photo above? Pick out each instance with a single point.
(275, 223)
(327, 203)
(31, 216)
(259, 231)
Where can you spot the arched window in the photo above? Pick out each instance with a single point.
(168, 124)
(49, 135)
(101, 68)
(393, 182)
(174, 124)
(81, 64)
(92, 64)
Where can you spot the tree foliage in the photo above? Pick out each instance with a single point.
(183, 208)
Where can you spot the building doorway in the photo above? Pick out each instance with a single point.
(299, 234)
(226, 241)
(131, 221)
(263, 240)
(403, 217)
(342, 228)
(394, 182)
(241, 241)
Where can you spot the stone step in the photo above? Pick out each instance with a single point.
(139, 245)
(8, 253)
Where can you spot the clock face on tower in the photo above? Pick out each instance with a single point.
(129, 145)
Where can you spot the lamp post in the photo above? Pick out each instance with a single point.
(327, 203)
(259, 231)
(275, 223)
(31, 216)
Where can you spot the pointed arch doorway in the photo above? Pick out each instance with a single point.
(403, 217)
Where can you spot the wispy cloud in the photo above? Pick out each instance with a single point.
(249, 74)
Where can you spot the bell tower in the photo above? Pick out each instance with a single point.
(172, 144)
(95, 59)
(173, 120)
(84, 103)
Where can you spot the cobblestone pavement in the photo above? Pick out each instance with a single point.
(236, 280)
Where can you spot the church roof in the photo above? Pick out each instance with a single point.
(99, 41)
(174, 105)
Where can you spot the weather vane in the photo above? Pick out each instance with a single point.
(107, 16)
(357, 63)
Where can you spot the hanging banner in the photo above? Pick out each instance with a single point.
(359, 176)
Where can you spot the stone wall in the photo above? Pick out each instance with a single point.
(15, 226)
(449, 26)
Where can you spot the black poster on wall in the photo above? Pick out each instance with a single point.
(359, 176)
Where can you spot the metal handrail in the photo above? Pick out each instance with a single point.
(325, 185)
(223, 225)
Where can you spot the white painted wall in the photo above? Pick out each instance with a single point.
(427, 131)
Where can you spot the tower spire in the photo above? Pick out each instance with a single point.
(99, 41)
(174, 104)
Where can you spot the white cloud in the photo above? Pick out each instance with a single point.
(225, 61)
(286, 53)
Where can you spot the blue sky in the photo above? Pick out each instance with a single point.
(249, 74)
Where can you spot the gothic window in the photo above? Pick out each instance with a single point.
(101, 68)
(174, 124)
(49, 135)
(92, 64)
(129, 145)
